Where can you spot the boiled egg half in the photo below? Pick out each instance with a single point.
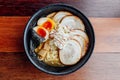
(47, 23)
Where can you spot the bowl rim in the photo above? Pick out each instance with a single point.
(25, 35)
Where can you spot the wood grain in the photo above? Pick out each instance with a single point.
(107, 32)
(91, 8)
(104, 63)
(15, 66)
(11, 33)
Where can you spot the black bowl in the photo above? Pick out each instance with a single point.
(27, 40)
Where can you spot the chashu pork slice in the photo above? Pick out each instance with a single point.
(59, 15)
(80, 33)
(51, 15)
(73, 22)
(71, 53)
(82, 42)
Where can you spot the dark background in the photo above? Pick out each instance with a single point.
(91, 8)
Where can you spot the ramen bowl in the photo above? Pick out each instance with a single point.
(29, 45)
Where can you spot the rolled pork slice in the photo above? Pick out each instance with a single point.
(73, 22)
(80, 33)
(82, 42)
(51, 15)
(59, 15)
(71, 53)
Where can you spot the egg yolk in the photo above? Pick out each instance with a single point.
(41, 32)
(47, 25)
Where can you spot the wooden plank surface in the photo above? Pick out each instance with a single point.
(91, 8)
(11, 33)
(107, 32)
(105, 66)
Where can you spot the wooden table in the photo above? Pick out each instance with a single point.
(104, 64)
